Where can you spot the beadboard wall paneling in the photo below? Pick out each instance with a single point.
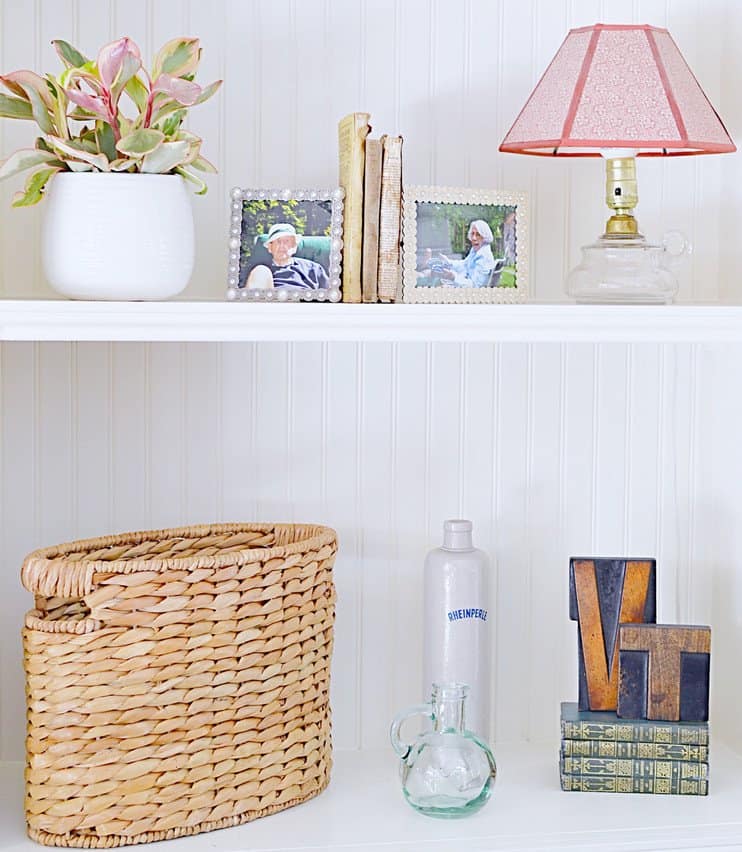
(450, 75)
(730, 251)
(722, 577)
(553, 450)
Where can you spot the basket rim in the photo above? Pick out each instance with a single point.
(47, 569)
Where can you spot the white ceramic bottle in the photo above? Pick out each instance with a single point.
(457, 621)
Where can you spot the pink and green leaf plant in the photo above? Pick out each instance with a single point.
(108, 115)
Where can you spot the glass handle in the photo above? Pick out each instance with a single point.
(677, 245)
(401, 748)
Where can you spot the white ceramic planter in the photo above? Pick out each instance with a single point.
(118, 236)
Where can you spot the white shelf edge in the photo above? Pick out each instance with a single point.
(363, 811)
(213, 321)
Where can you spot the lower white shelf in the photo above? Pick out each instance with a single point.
(363, 809)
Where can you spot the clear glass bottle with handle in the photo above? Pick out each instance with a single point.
(447, 771)
(456, 640)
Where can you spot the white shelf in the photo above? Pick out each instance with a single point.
(215, 321)
(363, 810)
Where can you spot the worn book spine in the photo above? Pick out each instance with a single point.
(635, 732)
(578, 725)
(658, 786)
(371, 199)
(633, 767)
(352, 132)
(390, 220)
(648, 751)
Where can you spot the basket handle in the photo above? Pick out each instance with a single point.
(57, 578)
(49, 578)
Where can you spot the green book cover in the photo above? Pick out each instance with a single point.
(658, 786)
(648, 751)
(634, 767)
(605, 725)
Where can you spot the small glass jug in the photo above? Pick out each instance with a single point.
(448, 771)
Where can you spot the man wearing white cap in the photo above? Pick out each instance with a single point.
(285, 269)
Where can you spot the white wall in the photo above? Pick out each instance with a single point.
(450, 75)
(552, 450)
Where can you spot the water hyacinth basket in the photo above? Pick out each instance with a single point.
(177, 680)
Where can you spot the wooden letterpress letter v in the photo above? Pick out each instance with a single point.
(604, 593)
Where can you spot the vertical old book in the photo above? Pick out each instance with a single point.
(371, 199)
(390, 219)
(352, 133)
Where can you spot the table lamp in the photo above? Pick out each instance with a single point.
(619, 91)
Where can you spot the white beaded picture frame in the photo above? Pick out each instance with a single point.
(314, 217)
(441, 264)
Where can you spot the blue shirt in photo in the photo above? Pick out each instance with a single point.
(475, 269)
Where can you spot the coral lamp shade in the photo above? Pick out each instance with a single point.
(618, 86)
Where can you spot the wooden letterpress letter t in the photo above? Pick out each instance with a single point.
(664, 672)
(604, 593)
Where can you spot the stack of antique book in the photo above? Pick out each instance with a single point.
(602, 753)
(371, 175)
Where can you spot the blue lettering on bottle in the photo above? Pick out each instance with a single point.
(458, 614)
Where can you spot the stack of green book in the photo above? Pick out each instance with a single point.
(604, 754)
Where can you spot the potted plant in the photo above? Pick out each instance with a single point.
(113, 157)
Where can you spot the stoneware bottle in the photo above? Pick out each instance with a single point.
(457, 621)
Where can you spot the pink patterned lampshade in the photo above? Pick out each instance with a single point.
(618, 86)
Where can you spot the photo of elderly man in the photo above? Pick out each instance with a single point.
(285, 269)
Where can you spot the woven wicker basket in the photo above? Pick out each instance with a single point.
(177, 681)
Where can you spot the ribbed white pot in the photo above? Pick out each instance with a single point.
(117, 236)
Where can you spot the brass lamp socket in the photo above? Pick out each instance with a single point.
(625, 226)
(621, 195)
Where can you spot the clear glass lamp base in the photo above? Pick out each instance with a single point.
(620, 270)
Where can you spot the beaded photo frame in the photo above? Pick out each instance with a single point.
(464, 245)
(285, 245)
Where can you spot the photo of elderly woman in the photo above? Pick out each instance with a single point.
(466, 245)
(285, 244)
